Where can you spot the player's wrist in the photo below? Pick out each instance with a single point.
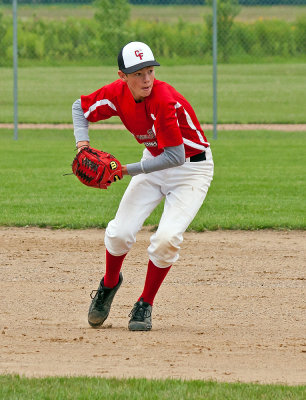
(81, 144)
(124, 170)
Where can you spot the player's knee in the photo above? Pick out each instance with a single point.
(118, 241)
(164, 248)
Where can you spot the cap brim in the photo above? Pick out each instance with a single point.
(137, 67)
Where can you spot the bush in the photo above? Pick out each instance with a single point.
(181, 39)
(244, 39)
(274, 38)
(111, 18)
(299, 30)
(6, 39)
(80, 40)
(227, 11)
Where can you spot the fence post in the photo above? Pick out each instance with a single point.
(215, 48)
(15, 61)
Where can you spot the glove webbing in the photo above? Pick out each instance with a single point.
(89, 164)
(84, 176)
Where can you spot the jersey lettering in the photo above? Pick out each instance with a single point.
(149, 135)
(150, 144)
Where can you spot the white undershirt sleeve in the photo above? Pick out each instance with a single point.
(80, 123)
(171, 157)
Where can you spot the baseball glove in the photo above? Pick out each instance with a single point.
(96, 168)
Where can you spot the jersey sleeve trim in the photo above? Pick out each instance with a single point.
(194, 145)
(98, 104)
(193, 127)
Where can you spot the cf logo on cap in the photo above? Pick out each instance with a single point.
(139, 54)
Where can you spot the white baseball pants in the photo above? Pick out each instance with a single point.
(184, 189)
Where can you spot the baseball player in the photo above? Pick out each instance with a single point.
(176, 166)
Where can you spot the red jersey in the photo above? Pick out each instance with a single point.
(163, 119)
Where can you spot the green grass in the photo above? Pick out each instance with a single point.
(169, 13)
(82, 388)
(259, 181)
(265, 93)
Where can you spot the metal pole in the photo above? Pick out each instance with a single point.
(15, 61)
(215, 48)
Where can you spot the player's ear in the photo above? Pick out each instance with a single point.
(122, 76)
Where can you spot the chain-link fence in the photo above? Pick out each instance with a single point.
(63, 33)
(178, 30)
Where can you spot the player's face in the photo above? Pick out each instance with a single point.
(140, 82)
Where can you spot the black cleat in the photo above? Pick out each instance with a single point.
(141, 317)
(101, 303)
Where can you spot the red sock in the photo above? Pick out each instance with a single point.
(113, 267)
(154, 279)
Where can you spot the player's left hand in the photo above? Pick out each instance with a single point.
(96, 168)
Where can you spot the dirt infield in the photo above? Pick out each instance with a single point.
(231, 309)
